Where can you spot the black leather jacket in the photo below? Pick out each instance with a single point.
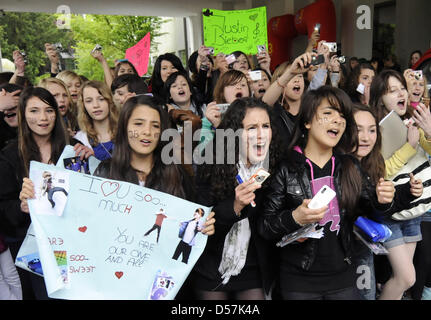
(288, 188)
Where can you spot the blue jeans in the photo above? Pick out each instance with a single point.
(403, 232)
(366, 278)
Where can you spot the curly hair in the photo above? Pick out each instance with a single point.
(222, 176)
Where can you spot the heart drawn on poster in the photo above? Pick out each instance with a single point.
(109, 187)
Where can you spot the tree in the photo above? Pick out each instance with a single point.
(114, 33)
(29, 32)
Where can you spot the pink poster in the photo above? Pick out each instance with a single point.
(139, 55)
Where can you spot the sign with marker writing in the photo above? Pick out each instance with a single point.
(105, 239)
(139, 55)
(237, 30)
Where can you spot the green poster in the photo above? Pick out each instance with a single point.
(238, 30)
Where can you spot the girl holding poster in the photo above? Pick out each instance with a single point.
(41, 137)
(236, 262)
(137, 156)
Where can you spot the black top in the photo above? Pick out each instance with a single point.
(329, 270)
(261, 262)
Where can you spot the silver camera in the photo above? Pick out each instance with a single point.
(98, 47)
(342, 59)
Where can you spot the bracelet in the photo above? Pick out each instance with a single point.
(278, 82)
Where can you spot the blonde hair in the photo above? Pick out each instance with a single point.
(67, 76)
(86, 122)
(280, 70)
(44, 83)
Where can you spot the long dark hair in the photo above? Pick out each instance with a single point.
(373, 164)
(156, 78)
(118, 66)
(351, 180)
(353, 80)
(28, 149)
(222, 176)
(163, 177)
(379, 88)
(194, 95)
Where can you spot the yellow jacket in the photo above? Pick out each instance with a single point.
(404, 154)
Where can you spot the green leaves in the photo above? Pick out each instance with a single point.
(30, 32)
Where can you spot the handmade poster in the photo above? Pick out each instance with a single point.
(114, 240)
(28, 256)
(139, 55)
(229, 31)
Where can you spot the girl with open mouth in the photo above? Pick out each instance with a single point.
(236, 261)
(320, 269)
(182, 95)
(137, 157)
(286, 91)
(73, 83)
(97, 118)
(259, 87)
(389, 93)
(417, 91)
(164, 66)
(373, 164)
(231, 86)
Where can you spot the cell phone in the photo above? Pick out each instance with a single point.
(322, 198)
(315, 61)
(332, 46)
(255, 75)
(223, 107)
(230, 59)
(317, 27)
(361, 88)
(261, 49)
(260, 176)
(210, 51)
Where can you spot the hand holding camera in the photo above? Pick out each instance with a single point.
(52, 53)
(19, 60)
(213, 114)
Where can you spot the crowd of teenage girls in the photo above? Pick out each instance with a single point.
(307, 125)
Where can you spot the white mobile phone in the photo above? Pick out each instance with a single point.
(255, 75)
(230, 59)
(223, 107)
(322, 198)
(260, 176)
(261, 49)
(361, 88)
